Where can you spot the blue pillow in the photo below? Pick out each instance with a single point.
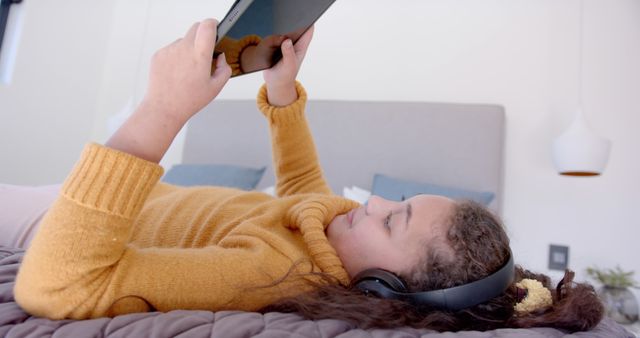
(397, 190)
(223, 175)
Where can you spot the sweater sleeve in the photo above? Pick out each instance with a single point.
(81, 265)
(295, 159)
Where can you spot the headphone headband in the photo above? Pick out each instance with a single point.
(454, 298)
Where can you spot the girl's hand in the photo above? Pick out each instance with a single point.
(180, 85)
(281, 78)
(180, 80)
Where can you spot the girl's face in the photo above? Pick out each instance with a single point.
(387, 234)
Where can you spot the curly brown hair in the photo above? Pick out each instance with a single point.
(476, 245)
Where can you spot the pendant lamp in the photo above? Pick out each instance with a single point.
(579, 151)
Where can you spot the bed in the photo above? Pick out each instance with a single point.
(452, 145)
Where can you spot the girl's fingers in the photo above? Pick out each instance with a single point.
(222, 72)
(205, 37)
(191, 33)
(289, 57)
(303, 43)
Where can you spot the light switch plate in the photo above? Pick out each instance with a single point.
(558, 257)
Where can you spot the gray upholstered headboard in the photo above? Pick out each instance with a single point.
(458, 145)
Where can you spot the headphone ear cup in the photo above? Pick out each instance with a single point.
(384, 278)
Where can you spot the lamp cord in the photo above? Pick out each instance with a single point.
(581, 55)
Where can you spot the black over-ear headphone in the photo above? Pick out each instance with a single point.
(385, 284)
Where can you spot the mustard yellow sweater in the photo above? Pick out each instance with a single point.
(118, 241)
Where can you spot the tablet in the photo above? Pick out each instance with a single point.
(252, 31)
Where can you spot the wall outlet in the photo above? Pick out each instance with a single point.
(558, 257)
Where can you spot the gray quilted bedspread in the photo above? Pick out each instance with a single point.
(14, 322)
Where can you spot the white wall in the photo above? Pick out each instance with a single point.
(47, 110)
(522, 54)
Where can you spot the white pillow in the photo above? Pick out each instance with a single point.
(270, 190)
(356, 194)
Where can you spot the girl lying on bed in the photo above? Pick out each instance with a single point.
(118, 241)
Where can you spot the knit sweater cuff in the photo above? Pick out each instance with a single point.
(286, 114)
(111, 181)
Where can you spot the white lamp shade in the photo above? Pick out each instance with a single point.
(579, 151)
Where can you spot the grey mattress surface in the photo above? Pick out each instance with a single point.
(14, 322)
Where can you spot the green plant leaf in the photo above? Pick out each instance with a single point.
(615, 277)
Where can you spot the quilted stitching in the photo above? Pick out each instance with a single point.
(224, 324)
